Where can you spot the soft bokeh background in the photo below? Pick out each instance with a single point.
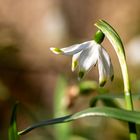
(28, 70)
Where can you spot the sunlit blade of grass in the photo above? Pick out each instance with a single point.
(12, 131)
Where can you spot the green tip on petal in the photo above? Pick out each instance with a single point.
(112, 77)
(102, 83)
(74, 65)
(56, 50)
(81, 75)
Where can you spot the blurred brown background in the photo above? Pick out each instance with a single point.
(28, 70)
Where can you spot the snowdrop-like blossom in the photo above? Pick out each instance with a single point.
(85, 56)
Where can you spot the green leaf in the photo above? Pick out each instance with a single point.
(110, 99)
(59, 95)
(12, 131)
(120, 114)
(60, 109)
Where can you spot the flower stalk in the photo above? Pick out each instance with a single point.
(99, 37)
(87, 54)
(116, 42)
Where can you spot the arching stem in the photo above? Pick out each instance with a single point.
(117, 44)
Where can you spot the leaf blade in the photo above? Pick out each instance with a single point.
(120, 114)
(12, 131)
(60, 108)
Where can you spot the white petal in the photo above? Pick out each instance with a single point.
(102, 72)
(108, 64)
(75, 59)
(105, 66)
(88, 57)
(72, 49)
(76, 48)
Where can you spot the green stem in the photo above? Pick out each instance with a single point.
(128, 96)
(116, 42)
(127, 89)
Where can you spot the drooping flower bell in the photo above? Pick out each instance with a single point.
(86, 55)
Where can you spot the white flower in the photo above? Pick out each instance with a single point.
(85, 56)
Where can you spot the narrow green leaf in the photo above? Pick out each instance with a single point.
(105, 101)
(120, 114)
(109, 99)
(44, 123)
(59, 95)
(12, 131)
(111, 103)
(60, 109)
